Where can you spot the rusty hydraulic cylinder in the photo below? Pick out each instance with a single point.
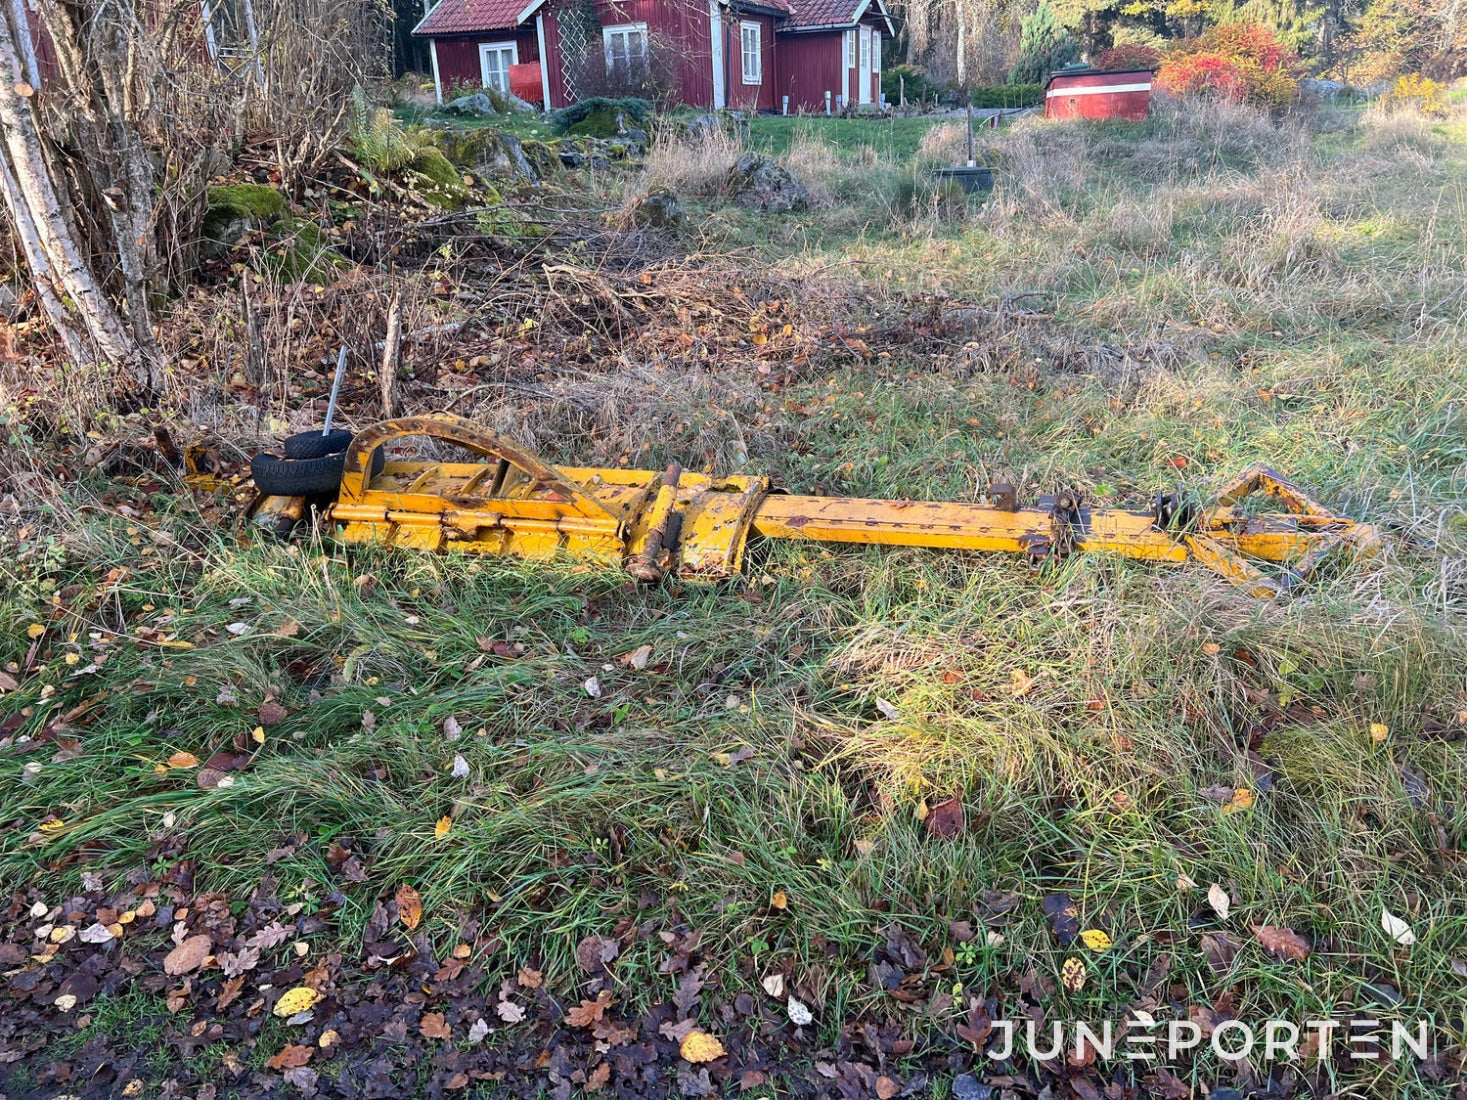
(645, 565)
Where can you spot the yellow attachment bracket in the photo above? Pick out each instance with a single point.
(506, 500)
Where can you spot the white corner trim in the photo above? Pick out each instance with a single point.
(544, 59)
(716, 36)
(437, 80)
(534, 6)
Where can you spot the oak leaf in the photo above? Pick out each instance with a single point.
(435, 1027)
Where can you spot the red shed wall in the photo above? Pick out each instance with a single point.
(741, 96)
(1099, 96)
(809, 65)
(458, 57)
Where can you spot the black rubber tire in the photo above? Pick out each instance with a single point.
(317, 445)
(304, 477)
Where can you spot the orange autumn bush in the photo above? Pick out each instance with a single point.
(1242, 62)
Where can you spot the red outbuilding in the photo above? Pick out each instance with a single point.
(1090, 93)
(746, 54)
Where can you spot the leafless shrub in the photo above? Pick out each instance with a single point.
(653, 77)
(311, 54)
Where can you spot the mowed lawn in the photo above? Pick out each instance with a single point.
(1200, 293)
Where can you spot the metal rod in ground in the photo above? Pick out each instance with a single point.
(335, 389)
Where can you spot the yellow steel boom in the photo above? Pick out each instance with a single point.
(508, 501)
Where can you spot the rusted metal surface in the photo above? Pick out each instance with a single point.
(509, 501)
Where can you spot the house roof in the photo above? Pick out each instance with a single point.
(810, 14)
(468, 16)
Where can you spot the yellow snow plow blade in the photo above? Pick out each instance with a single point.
(508, 501)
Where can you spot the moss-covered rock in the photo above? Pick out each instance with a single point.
(486, 151)
(543, 159)
(299, 250)
(605, 122)
(234, 209)
(434, 177)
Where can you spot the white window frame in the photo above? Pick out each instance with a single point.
(757, 76)
(875, 51)
(485, 49)
(850, 48)
(624, 31)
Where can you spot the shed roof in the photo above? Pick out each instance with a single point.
(468, 16)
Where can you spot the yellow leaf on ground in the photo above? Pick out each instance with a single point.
(1095, 939)
(183, 760)
(441, 829)
(1073, 973)
(1242, 800)
(35, 630)
(1379, 731)
(259, 735)
(779, 900)
(1023, 684)
(296, 1000)
(699, 1046)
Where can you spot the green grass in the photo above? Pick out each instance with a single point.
(892, 138)
(1219, 291)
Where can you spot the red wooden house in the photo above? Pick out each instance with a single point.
(746, 54)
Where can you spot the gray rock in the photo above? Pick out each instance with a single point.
(659, 209)
(571, 158)
(1326, 91)
(519, 106)
(488, 151)
(966, 1087)
(761, 183)
(700, 126)
(475, 105)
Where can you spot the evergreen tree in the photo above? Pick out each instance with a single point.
(1044, 45)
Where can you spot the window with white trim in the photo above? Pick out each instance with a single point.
(626, 50)
(850, 41)
(495, 58)
(865, 52)
(875, 51)
(751, 48)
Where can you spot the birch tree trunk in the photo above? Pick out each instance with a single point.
(88, 322)
(962, 44)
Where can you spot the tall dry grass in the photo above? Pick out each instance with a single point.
(691, 166)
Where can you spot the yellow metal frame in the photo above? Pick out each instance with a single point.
(697, 527)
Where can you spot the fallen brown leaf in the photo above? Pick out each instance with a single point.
(1284, 943)
(946, 819)
(188, 956)
(292, 1057)
(409, 906)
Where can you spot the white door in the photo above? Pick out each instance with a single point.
(495, 58)
(864, 93)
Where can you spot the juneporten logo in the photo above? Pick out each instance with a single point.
(1143, 1038)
